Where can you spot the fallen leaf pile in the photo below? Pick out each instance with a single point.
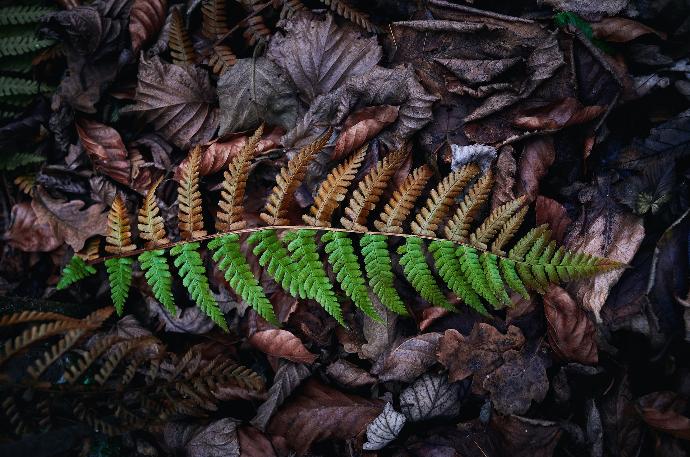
(580, 106)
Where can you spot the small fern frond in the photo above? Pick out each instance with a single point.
(181, 49)
(22, 44)
(450, 270)
(193, 273)
(473, 271)
(495, 222)
(377, 264)
(369, 191)
(120, 277)
(151, 226)
(401, 203)
(231, 261)
(458, 227)
(489, 263)
(222, 58)
(13, 161)
(214, 20)
(288, 180)
(333, 189)
(290, 8)
(442, 197)
(119, 238)
(55, 352)
(75, 270)
(190, 218)
(524, 244)
(343, 9)
(156, 270)
(418, 273)
(275, 258)
(23, 14)
(311, 275)
(508, 231)
(230, 217)
(342, 257)
(10, 86)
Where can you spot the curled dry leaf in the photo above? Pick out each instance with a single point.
(254, 443)
(282, 344)
(217, 155)
(384, 428)
(478, 354)
(524, 437)
(663, 411)
(504, 181)
(69, 221)
(430, 396)
(361, 126)
(557, 115)
(431, 315)
(27, 234)
(288, 377)
(348, 374)
(549, 211)
(571, 333)
(410, 359)
(621, 30)
(146, 18)
(519, 381)
(318, 412)
(537, 156)
(105, 148)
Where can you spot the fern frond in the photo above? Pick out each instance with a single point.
(276, 259)
(26, 183)
(495, 222)
(458, 227)
(120, 277)
(90, 251)
(222, 58)
(369, 191)
(437, 206)
(23, 14)
(489, 263)
(473, 271)
(189, 216)
(55, 352)
(193, 273)
(181, 49)
(75, 370)
(8, 115)
(255, 30)
(343, 9)
(419, 274)
(342, 257)
(449, 268)
(23, 317)
(231, 214)
(290, 8)
(75, 270)
(508, 231)
(311, 275)
(13, 161)
(10, 86)
(119, 238)
(214, 20)
(333, 189)
(288, 180)
(377, 264)
(401, 203)
(156, 270)
(151, 226)
(22, 44)
(230, 260)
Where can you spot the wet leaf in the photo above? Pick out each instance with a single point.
(361, 126)
(517, 383)
(551, 212)
(571, 333)
(504, 181)
(27, 234)
(537, 156)
(430, 396)
(589, 8)
(524, 437)
(621, 30)
(410, 359)
(557, 115)
(622, 426)
(384, 429)
(287, 378)
(663, 411)
(348, 374)
(282, 344)
(146, 19)
(253, 443)
(104, 146)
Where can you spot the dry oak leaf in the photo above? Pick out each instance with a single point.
(361, 126)
(287, 378)
(515, 384)
(105, 148)
(663, 411)
(571, 333)
(318, 412)
(478, 354)
(412, 358)
(348, 374)
(621, 30)
(217, 155)
(178, 100)
(27, 234)
(537, 156)
(282, 344)
(319, 55)
(146, 18)
(68, 220)
(549, 211)
(557, 115)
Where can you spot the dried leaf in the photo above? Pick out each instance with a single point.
(105, 148)
(318, 413)
(411, 358)
(218, 439)
(537, 156)
(524, 437)
(146, 18)
(504, 178)
(319, 56)
(476, 71)
(348, 374)
(253, 443)
(663, 411)
(177, 100)
(429, 397)
(282, 344)
(515, 384)
(69, 221)
(551, 212)
(589, 8)
(253, 90)
(557, 115)
(623, 430)
(384, 429)
(361, 126)
(379, 335)
(571, 333)
(287, 378)
(27, 234)
(621, 30)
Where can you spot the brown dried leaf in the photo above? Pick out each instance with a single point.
(27, 234)
(504, 178)
(478, 354)
(282, 344)
(218, 439)
(348, 374)
(361, 126)
(663, 411)
(621, 30)
(287, 378)
(146, 18)
(515, 384)
(105, 148)
(525, 437)
(551, 212)
(319, 412)
(557, 115)
(589, 8)
(69, 221)
(411, 358)
(430, 315)
(253, 443)
(537, 156)
(571, 333)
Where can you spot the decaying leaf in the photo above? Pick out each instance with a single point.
(621, 30)
(572, 334)
(253, 443)
(104, 146)
(524, 437)
(348, 374)
(550, 212)
(537, 156)
(430, 396)
(557, 115)
(27, 234)
(287, 378)
(589, 8)
(218, 439)
(145, 20)
(177, 100)
(318, 412)
(519, 381)
(504, 177)
(664, 412)
(361, 126)
(384, 429)
(410, 359)
(282, 344)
